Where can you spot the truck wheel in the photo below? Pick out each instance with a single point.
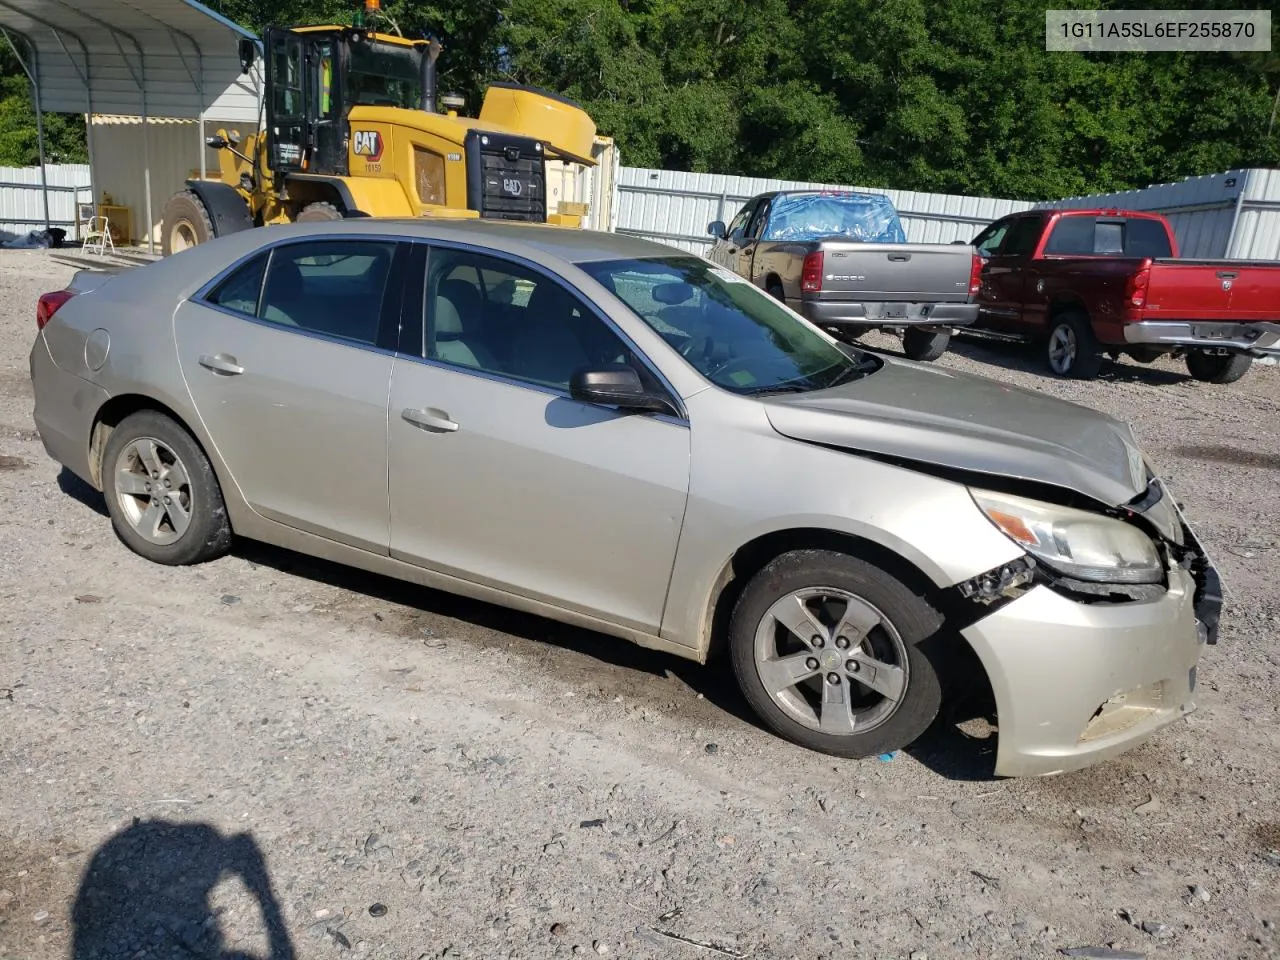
(1218, 367)
(923, 345)
(826, 649)
(184, 224)
(1073, 351)
(318, 212)
(774, 289)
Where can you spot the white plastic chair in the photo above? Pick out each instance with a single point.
(97, 236)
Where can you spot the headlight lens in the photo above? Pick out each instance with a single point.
(1076, 543)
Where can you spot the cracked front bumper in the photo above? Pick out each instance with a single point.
(1076, 683)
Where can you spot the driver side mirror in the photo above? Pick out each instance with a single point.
(716, 229)
(617, 385)
(248, 54)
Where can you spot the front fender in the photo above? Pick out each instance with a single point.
(748, 481)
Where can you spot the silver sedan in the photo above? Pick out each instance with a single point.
(618, 435)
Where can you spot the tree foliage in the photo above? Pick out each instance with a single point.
(942, 95)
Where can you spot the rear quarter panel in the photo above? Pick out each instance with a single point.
(133, 314)
(1096, 285)
(783, 260)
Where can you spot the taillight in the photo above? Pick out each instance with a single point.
(811, 273)
(1136, 286)
(48, 305)
(975, 275)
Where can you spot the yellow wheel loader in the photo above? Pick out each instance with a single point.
(352, 128)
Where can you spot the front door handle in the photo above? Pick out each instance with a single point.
(222, 363)
(899, 257)
(437, 421)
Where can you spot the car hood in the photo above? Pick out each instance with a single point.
(960, 421)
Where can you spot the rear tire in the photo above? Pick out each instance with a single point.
(1072, 350)
(1217, 367)
(774, 289)
(922, 345)
(318, 212)
(184, 224)
(866, 620)
(163, 497)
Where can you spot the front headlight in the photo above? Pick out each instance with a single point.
(1075, 543)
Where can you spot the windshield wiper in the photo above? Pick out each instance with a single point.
(791, 387)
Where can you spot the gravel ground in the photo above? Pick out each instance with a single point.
(272, 756)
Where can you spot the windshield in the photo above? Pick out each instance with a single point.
(731, 332)
(385, 75)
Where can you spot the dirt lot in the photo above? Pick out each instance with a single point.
(277, 756)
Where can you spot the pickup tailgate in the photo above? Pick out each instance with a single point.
(1229, 290)
(913, 272)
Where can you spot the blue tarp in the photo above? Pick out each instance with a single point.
(869, 217)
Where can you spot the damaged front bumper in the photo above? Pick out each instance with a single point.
(1076, 683)
(1079, 680)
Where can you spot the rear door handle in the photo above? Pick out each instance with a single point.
(900, 257)
(437, 421)
(222, 363)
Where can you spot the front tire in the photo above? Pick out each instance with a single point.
(924, 345)
(1218, 367)
(184, 224)
(1072, 349)
(826, 649)
(163, 497)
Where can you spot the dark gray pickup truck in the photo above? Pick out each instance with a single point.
(841, 260)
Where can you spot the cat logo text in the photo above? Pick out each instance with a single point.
(368, 144)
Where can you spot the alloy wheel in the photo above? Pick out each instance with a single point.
(1062, 348)
(153, 490)
(831, 661)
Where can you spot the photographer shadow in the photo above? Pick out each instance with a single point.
(149, 888)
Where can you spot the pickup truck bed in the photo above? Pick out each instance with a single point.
(1128, 294)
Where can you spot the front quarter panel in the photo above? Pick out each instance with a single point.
(748, 481)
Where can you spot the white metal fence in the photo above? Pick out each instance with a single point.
(1235, 214)
(22, 200)
(675, 208)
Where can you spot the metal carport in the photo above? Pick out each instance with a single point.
(146, 58)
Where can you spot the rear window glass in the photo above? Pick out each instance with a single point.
(1089, 236)
(869, 217)
(1071, 237)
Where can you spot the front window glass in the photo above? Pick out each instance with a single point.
(384, 75)
(731, 332)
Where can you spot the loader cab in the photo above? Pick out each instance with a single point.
(315, 75)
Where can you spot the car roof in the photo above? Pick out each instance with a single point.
(570, 244)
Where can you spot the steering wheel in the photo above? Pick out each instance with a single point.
(690, 346)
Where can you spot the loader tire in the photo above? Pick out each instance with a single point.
(185, 223)
(318, 212)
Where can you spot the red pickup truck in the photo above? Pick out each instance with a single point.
(1084, 283)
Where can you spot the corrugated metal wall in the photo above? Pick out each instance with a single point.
(22, 201)
(1235, 214)
(675, 208)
